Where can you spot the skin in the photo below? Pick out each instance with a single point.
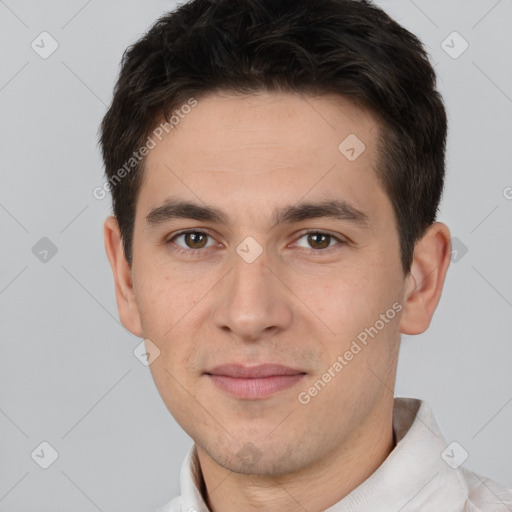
(298, 304)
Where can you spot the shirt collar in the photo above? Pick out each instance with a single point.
(414, 474)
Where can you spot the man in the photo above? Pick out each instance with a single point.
(276, 169)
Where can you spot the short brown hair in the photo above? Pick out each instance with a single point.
(349, 47)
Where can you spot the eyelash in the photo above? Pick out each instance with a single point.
(198, 252)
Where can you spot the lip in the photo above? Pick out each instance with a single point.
(253, 372)
(254, 382)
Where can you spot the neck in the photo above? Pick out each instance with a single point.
(332, 477)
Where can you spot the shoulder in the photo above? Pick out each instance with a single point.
(484, 494)
(173, 506)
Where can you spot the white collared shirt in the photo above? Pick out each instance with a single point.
(421, 474)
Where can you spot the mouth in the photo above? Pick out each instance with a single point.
(255, 382)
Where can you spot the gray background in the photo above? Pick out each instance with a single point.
(68, 375)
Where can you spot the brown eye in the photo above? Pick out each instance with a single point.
(195, 240)
(319, 240)
(189, 240)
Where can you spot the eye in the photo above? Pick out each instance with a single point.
(190, 240)
(318, 240)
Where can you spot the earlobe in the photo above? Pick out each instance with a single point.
(125, 295)
(425, 280)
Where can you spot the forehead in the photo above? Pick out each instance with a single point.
(269, 147)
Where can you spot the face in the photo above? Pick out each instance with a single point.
(259, 240)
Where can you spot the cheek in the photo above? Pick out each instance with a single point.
(163, 299)
(176, 393)
(342, 301)
(171, 308)
(351, 303)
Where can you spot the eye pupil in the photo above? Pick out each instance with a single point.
(323, 243)
(195, 240)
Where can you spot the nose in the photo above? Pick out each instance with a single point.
(252, 302)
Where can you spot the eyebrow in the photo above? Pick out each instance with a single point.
(173, 209)
(336, 209)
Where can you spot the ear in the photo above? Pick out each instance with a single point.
(125, 295)
(425, 280)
